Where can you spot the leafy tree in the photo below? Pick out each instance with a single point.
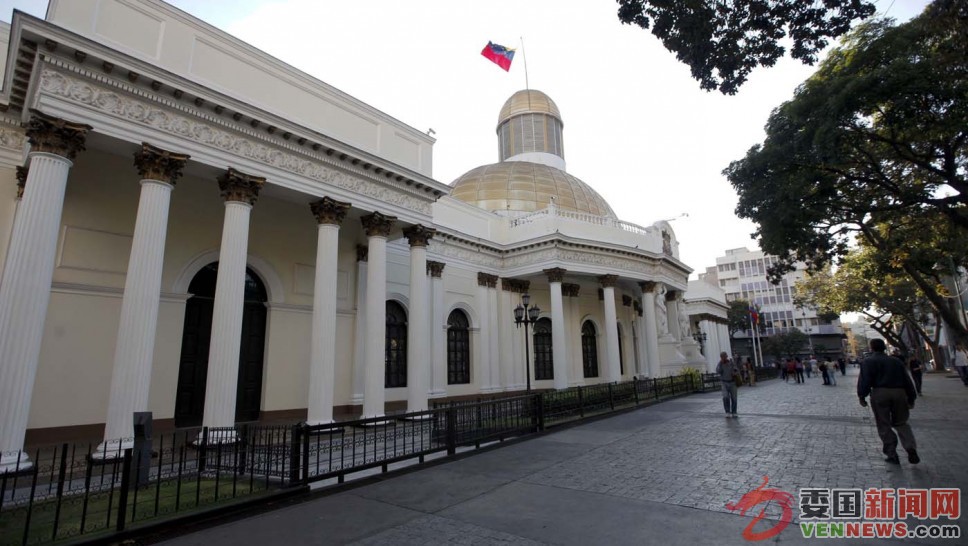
(723, 41)
(873, 147)
(785, 344)
(738, 317)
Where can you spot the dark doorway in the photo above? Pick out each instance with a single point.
(196, 338)
(396, 346)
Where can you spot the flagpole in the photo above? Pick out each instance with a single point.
(527, 86)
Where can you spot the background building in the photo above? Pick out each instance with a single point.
(741, 274)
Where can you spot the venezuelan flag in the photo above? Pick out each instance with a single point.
(499, 55)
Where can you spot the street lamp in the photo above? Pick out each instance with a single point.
(526, 314)
(803, 313)
(700, 338)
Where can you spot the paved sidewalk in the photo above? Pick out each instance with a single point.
(658, 475)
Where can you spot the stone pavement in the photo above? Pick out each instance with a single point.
(661, 474)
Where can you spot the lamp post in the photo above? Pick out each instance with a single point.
(803, 313)
(526, 314)
(700, 338)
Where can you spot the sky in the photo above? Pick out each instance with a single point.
(637, 128)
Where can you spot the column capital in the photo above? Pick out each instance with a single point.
(238, 186)
(648, 286)
(329, 211)
(570, 290)
(154, 163)
(673, 295)
(435, 269)
(608, 281)
(626, 300)
(516, 286)
(22, 171)
(362, 253)
(419, 235)
(55, 135)
(377, 224)
(486, 279)
(555, 274)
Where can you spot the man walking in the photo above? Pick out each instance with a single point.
(728, 371)
(892, 394)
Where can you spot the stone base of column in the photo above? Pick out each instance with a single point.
(356, 399)
(491, 388)
(14, 461)
(110, 450)
(436, 394)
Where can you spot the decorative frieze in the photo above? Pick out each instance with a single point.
(486, 279)
(419, 235)
(555, 274)
(241, 187)
(647, 286)
(154, 163)
(608, 281)
(377, 224)
(56, 136)
(570, 290)
(435, 269)
(362, 253)
(329, 211)
(515, 286)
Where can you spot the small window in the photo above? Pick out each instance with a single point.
(458, 349)
(589, 349)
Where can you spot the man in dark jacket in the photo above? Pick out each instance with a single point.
(892, 394)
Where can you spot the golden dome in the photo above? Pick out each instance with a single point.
(522, 186)
(526, 102)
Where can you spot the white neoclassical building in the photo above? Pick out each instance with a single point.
(193, 228)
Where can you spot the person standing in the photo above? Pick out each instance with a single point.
(728, 371)
(961, 362)
(798, 367)
(892, 395)
(831, 372)
(916, 369)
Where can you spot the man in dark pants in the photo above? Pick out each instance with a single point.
(892, 397)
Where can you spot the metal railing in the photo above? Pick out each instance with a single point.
(72, 491)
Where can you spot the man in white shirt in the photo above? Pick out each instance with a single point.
(961, 363)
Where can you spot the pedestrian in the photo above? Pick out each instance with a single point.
(892, 395)
(961, 362)
(750, 373)
(729, 373)
(791, 370)
(843, 365)
(825, 373)
(831, 372)
(798, 367)
(916, 369)
(807, 368)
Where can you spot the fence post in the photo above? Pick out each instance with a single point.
(451, 430)
(61, 477)
(611, 398)
(305, 452)
(635, 389)
(655, 387)
(203, 451)
(581, 402)
(125, 484)
(294, 451)
(539, 413)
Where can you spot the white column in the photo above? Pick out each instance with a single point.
(724, 340)
(642, 368)
(221, 388)
(438, 330)
(711, 345)
(329, 214)
(377, 227)
(418, 325)
(651, 333)
(559, 345)
(505, 313)
(484, 332)
(134, 351)
(360, 329)
(613, 371)
(494, 325)
(571, 292)
(29, 268)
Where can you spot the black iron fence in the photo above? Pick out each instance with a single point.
(71, 491)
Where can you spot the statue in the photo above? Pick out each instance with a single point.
(684, 330)
(661, 314)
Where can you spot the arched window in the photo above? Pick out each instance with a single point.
(621, 350)
(396, 357)
(589, 349)
(544, 366)
(458, 348)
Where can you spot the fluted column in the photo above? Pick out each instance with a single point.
(240, 192)
(134, 351)
(505, 321)
(359, 366)
(559, 346)
(710, 346)
(651, 328)
(570, 292)
(27, 273)
(418, 326)
(329, 215)
(611, 328)
(725, 343)
(494, 325)
(377, 228)
(641, 364)
(486, 283)
(518, 368)
(438, 330)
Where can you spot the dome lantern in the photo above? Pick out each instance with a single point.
(529, 128)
